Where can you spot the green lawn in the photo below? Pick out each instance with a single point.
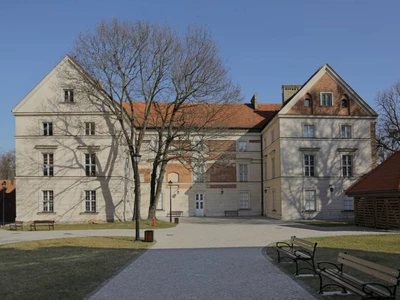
(144, 224)
(381, 249)
(62, 268)
(322, 223)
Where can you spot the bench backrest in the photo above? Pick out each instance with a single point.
(43, 221)
(303, 243)
(388, 274)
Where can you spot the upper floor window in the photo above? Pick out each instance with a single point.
(310, 200)
(345, 132)
(198, 173)
(326, 99)
(244, 200)
(48, 201)
(243, 173)
(347, 165)
(308, 131)
(273, 167)
(272, 135)
(90, 201)
(89, 128)
(309, 165)
(307, 102)
(242, 146)
(48, 128)
(48, 164)
(90, 164)
(345, 103)
(69, 96)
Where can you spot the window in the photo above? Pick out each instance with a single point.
(307, 102)
(326, 99)
(160, 203)
(265, 170)
(308, 131)
(309, 165)
(310, 200)
(89, 128)
(90, 201)
(48, 201)
(69, 96)
(48, 128)
(273, 200)
(244, 200)
(90, 164)
(242, 146)
(48, 164)
(243, 172)
(347, 165)
(345, 132)
(273, 166)
(348, 203)
(344, 103)
(198, 173)
(272, 135)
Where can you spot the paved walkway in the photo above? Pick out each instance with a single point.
(202, 258)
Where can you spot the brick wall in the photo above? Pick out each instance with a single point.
(220, 173)
(185, 175)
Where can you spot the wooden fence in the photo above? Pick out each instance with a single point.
(377, 212)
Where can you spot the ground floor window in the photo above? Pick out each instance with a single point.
(90, 201)
(348, 203)
(244, 200)
(310, 200)
(48, 201)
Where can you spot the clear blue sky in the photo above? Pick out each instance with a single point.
(266, 43)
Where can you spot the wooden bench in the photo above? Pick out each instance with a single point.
(298, 250)
(175, 213)
(17, 224)
(231, 213)
(385, 289)
(35, 223)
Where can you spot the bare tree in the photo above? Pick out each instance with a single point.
(388, 125)
(149, 76)
(7, 164)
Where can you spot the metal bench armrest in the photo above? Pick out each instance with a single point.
(365, 285)
(303, 252)
(283, 244)
(338, 267)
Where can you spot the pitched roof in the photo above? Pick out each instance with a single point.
(383, 179)
(234, 116)
(10, 185)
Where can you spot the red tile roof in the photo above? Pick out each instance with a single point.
(383, 179)
(241, 116)
(10, 185)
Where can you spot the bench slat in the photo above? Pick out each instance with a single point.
(303, 243)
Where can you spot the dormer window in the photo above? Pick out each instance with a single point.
(307, 102)
(344, 103)
(69, 96)
(326, 99)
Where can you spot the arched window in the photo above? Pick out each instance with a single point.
(345, 103)
(307, 102)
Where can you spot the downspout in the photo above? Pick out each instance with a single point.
(262, 178)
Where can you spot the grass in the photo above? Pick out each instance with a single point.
(144, 224)
(62, 268)
(381, 249)
(323, 223)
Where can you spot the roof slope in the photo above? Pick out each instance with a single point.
(238, 116)
(383, 179)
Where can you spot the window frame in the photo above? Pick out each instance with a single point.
(90, 128)
(198, 172)
(347, 169)
(243, 172)
(240, 146)
(47, 128)
(346, 200)
(90, 164)
(90, 201)
(322, 102)
(68, 95)
(273, 196)
(306, 132)
(307, 102)
(309, 165)
(246, 201)
(48, 164)
(47, 201)
(343, 131)
(307, 207)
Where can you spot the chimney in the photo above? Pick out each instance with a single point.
(254, 101)
(288, 90)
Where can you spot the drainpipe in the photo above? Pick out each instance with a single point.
(262, 178)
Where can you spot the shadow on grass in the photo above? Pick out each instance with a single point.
(330, 254)
(67, 269)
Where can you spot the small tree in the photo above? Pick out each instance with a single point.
(7, 164)
(388, 125)
(149, 76)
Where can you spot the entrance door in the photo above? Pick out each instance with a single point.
(199, 205)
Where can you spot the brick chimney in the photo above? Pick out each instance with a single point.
(254, 101)
(288, 90)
